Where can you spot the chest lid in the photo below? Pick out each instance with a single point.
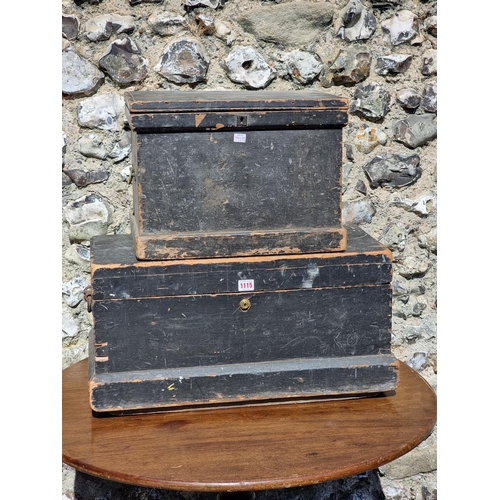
(144, 101)
(222, 109)
(118, 275)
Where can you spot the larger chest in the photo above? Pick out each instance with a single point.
(173, 334)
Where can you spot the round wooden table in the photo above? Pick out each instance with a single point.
(245, 448)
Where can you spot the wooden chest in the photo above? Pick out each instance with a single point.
(236, 173)
(179, 334)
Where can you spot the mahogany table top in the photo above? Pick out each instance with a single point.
(245, 448)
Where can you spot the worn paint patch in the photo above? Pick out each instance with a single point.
(312, 272)
(198, 119)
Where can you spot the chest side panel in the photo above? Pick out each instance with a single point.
(209, 330)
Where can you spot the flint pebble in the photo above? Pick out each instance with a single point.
(430, 25)
(70, 326)
(125, 173)
(82, 178)
(66, 181)
(167, 23)
(357, 212)
(423, 205)
(349, 153)
(413, 265)
(394, 236)
(368, 138)
(92, 146)
(77, 254)
(351, 66)
(425, 329)
(72, 290)
(371, 101)
(429, 64)
(223, 32)
(415, 130)
(402, 289)
(361, 187)
(104, 111)
(121, 149)
(359, 23)
(70, 27)
(414, 307)
(408, 98)
(246, 66)
(102, 27)
(79, 76)
(429, 98)
(393, 170)
(87, 216)
(213, 4)
(303, 67)
(402, 27)
(418, 361)
(392, 64)
(346, 170)
(399, 290)
(428, 240)
(124, 63)
(206, 24)
(64, 143)
(183, 61)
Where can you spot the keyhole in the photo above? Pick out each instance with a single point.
(245, 304)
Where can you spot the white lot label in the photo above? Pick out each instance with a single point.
(245, 285)
(240, 137)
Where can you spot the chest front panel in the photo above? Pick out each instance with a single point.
(205, 330)
(208, 182)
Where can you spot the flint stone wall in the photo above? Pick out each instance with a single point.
(382, 55)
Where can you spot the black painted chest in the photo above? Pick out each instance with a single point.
(239, 283)
(190, 332)
(236, 173)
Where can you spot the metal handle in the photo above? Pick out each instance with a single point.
(87, 296)
(130, 175)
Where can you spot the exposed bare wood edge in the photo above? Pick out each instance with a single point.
(229, 260)
(173, 235)
(145, 250)
(138, 241)
(199, 118)
(292, 400)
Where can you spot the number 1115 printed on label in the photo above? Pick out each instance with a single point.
(246, 285)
